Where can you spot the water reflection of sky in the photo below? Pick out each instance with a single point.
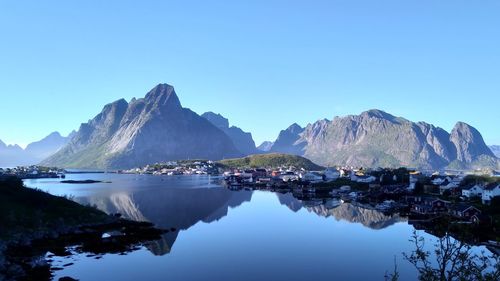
(242, 235)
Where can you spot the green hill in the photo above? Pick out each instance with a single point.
(272, 160)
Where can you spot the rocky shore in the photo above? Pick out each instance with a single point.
(34, 223)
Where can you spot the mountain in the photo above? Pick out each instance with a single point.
(287, 141)
(265, 146)
(495, 149)
(47, 146)
(355, 214)
(180, 208)
(376, 138)
(242, 140)
(271, 160)
(152, 129)
(14, 155)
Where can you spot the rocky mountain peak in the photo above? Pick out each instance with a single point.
(468, 142)
(295, 129)
(163, 95)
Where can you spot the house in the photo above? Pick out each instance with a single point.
(474, 191)
(481, 219)
(429, 205)
(490, 191)
(447, 187)
(464, 211)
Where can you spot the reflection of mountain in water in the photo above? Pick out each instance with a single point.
(356, 214)
(291, 202)
(171, 208)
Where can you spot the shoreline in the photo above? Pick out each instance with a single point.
(24, 259)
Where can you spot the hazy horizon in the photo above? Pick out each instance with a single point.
(421, 60)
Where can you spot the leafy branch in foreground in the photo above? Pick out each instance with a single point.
(454, 261)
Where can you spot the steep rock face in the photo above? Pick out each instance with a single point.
(375, 138)
(147, 130)
(287, 141)
(468, 142)
(495, 149)
(265, 146)
(242, 140)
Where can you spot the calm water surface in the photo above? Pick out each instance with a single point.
(235, 235)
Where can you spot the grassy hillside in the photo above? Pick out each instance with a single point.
(272, 160)
(26, 210)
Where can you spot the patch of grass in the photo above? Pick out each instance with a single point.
(271, 160)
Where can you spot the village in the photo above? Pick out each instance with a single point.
(425, 198)
(32, 172)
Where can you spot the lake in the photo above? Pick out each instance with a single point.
(235, 235)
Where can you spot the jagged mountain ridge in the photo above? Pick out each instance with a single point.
(376, 138)
(152, 129)
(242, 140)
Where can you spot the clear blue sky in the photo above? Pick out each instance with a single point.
(262, 64)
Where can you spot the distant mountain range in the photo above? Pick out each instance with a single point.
(378, 139)
(14, 155)
(157, 128)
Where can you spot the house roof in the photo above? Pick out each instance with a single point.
(492, 186)
(463, 207)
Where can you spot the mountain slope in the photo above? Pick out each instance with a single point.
(287, 141)
(375, 138)
(152, 129)
(242, 140)
(495, 149)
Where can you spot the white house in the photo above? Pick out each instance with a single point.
(490, 191)
(474, 191)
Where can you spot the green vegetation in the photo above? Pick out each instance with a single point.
(272, 160)
(476, 179)
(29, 211)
